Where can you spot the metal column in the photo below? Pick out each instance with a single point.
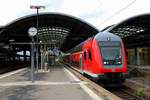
(138, 56)
(32, 60)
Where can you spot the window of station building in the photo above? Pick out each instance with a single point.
(89, 55)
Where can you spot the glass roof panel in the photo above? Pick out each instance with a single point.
(53, 35)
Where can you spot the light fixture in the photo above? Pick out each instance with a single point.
(11, 40)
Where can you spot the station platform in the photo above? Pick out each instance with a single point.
(56, 84)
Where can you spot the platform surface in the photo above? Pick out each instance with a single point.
(56, 84)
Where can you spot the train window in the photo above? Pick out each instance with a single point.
(111, 53)
(90, 55)
(84, 55)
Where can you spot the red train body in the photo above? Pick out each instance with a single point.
(102, 57)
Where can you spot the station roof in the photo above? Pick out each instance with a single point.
(57, 29)
(135, 31)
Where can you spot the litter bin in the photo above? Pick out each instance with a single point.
(45, 66)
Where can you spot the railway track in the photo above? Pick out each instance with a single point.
(100, 91)
(124, 93)
(5, 68)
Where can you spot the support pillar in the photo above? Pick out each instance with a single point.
(24, 55)
(135, 56)
(32, 60)
(15, 53)
(138, 56)
(42, 59)
(30, 55)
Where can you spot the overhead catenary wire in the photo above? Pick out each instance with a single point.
(122, 9)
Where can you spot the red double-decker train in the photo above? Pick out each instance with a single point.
(101, 57)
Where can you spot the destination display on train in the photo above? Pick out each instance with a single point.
(109, 43)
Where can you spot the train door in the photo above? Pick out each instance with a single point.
(84, 62)
(80, 64)
(90, 60)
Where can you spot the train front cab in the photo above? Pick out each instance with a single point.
(113, 61)
(104, 61)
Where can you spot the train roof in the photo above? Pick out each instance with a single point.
(107, 36)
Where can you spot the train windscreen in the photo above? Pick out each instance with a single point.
(111, 53)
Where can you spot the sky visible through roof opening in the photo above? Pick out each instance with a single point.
(99, 13)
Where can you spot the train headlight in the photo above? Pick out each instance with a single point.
(119, 62)
(105, 62)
